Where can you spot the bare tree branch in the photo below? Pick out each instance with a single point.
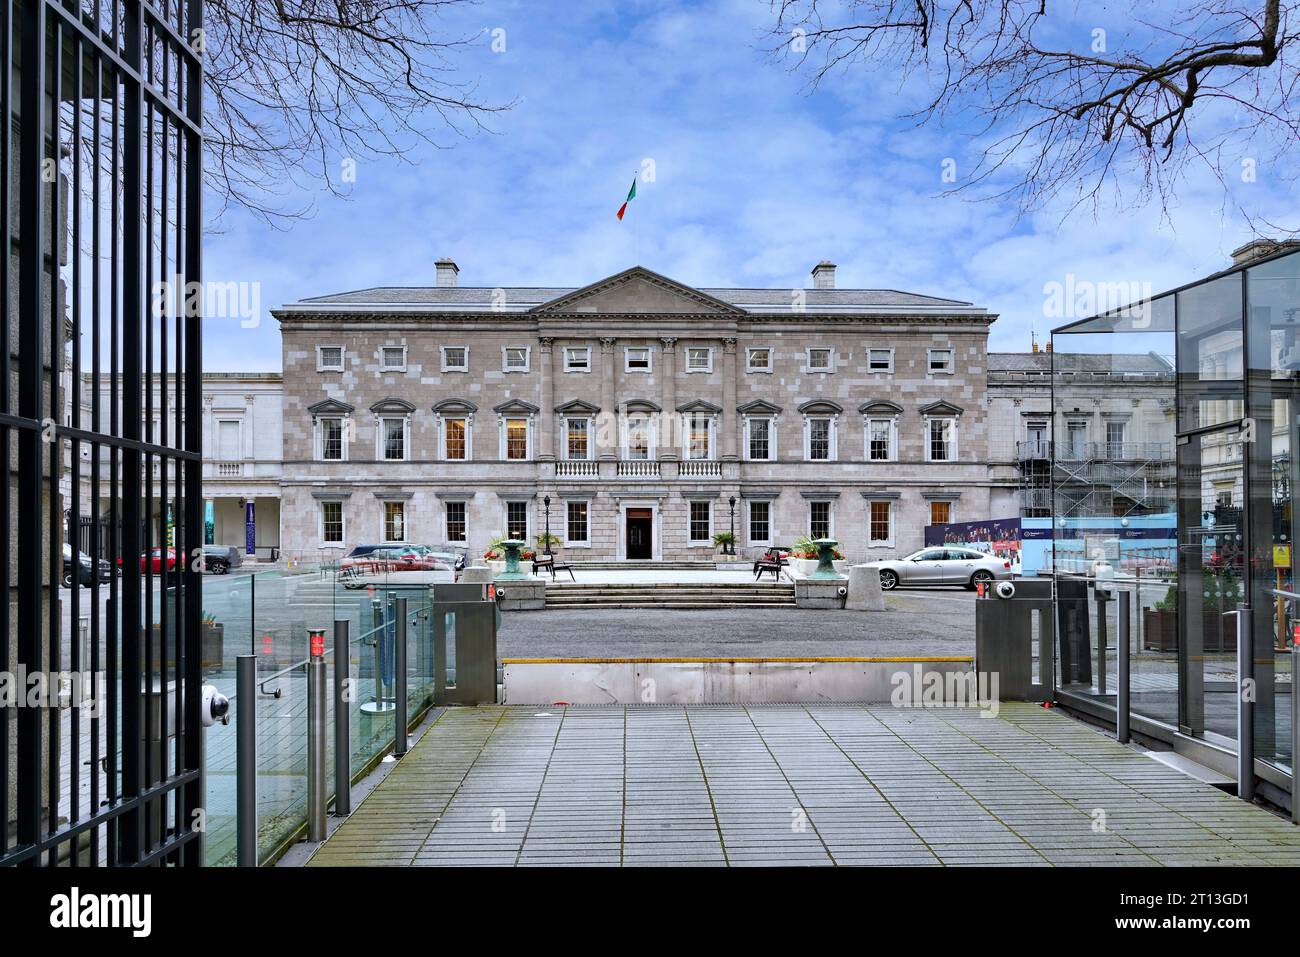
(294, 87)
(1069, 117)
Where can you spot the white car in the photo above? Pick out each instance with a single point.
(943, 565)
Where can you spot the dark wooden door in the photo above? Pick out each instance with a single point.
(640, 525)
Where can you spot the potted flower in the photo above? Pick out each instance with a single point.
(545, 539)
(725, 541)
(495, 556)
(803, 558)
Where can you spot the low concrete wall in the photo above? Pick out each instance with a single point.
(546, 681)
(529, 595)
(819, 592)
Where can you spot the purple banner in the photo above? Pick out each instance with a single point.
(250, 529)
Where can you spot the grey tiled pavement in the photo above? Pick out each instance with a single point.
(792, 785)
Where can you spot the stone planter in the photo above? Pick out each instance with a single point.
(1159, 630)
(806, 566)
(499, 567)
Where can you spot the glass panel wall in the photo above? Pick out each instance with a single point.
(1113, 505)
(1206, 378)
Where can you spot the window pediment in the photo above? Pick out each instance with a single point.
(880, 407)
(393, 407)
(331, 407)
(758, 407)
(941, 408)
(455, 407)
(515, 407)
(699, 405)
(577, 406)
(641, 405)
(820, 407)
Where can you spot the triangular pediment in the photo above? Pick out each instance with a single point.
(331, 407)
(515, 407)
(758, 407)
(699, 405)
(638, 291)
(941, 408)
(577, 407)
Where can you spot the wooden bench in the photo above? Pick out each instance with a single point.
(548, 563)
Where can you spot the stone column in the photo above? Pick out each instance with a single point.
(729, 400)
(669, 437)
(547, 415)
(608, 409)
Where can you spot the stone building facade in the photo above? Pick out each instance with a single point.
(641, 407)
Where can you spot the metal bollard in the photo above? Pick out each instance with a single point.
(1295, 731)
(1101, 645)
(1245, 708)
(246, 760)
(399, 681)
(342, 719)
(316, 796)
(1122, 672)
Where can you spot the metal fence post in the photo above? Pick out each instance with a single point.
(1101, 643)
(316, 737)
(246, 760)
(342, 719)
(1122, 671)
(1295, 731)
(399, 680)
(1245, 705)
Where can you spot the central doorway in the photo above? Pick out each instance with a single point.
(640, 528)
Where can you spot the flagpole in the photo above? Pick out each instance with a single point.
(636, 229)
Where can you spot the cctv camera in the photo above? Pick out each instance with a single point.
(843, 591)
(214, 707)
(1006, 589)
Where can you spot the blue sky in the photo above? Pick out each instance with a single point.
(756, 179)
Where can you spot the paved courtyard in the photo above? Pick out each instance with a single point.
(926, 622)
(792, 785)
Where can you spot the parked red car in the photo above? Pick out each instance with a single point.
(157, 560)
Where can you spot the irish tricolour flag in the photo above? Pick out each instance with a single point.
(631, 195)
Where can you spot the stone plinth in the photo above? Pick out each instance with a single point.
(521, 594)
(818, 593)
(865, 593)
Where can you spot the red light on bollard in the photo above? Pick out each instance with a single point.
(317, 642)
(492, 592)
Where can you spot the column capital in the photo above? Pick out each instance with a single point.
(547, 342)
(607, 344)
(729, 346)
(670, 342)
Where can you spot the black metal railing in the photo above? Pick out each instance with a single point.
(100, 191)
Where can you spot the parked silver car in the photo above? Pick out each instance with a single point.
(942, 565)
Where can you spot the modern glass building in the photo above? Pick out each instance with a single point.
(1180, 481)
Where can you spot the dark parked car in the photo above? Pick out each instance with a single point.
(83, 569)
(219, 559)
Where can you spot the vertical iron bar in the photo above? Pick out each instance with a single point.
(1295, 731)
(317, 705)
(399, 678)
(130, 836)
(31, 282)
(191, 223)
(246, 760)
(6, 399)
(1245, 705)
(342, 719)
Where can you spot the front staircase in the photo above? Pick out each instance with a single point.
(694, 595)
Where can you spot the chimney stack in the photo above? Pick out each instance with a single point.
(824, 275)
(447, 270)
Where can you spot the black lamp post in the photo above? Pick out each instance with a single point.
(731, 545)
(546, 503)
